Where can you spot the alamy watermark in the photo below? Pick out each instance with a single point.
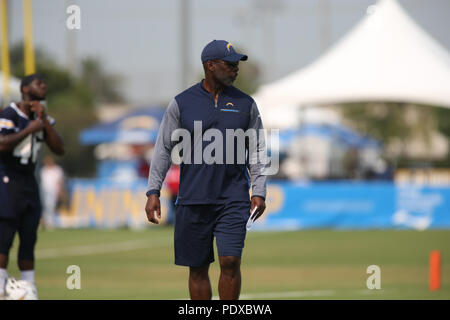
(73, 21)
(237, 147)
(74, 280)
(374, 281)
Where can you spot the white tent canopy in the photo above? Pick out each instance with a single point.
(386, 57)
(14, 87)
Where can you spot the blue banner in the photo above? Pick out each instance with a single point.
(103, 203)
(358, 205)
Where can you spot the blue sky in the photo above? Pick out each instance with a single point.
(140, 39)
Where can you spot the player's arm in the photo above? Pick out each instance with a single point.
(161, 160)
(10, 140)
(52, 138)
(256, 167)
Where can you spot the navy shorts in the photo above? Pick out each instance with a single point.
(20, 211)
(197, 225)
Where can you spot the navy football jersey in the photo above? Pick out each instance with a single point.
(24, 156)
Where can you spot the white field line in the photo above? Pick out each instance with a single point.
(303, 294)
(102, 248)
(300, 294)
(287, 294)
(308, 293)
(368, 292)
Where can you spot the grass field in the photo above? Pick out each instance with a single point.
(313, 264)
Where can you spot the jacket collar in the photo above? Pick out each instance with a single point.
(203, 90)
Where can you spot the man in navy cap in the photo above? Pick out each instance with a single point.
(213, 198)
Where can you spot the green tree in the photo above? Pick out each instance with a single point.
(105, 86)
(442, 118)
(249, 77)
(400, 122)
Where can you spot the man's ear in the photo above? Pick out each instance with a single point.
(210, 65)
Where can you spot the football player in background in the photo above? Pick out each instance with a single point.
(24, 126)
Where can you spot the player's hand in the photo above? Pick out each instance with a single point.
(153, 205)
(35, 125)
(37, 108)
(260, 203)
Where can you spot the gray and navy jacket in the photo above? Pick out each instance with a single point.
(209, 183)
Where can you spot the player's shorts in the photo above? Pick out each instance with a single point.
(20, 211)
(197, 225)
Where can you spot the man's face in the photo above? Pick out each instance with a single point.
(37, 89)
(225, 72)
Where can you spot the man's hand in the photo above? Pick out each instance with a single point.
(37, 108)
(260, 203)
(153, 205)
(35, 125)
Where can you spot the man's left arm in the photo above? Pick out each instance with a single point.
(52, 138)
(256, 167)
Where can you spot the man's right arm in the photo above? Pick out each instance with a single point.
(9, 141)
(161, 160)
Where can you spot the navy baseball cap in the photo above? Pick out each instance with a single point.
(221, 50)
